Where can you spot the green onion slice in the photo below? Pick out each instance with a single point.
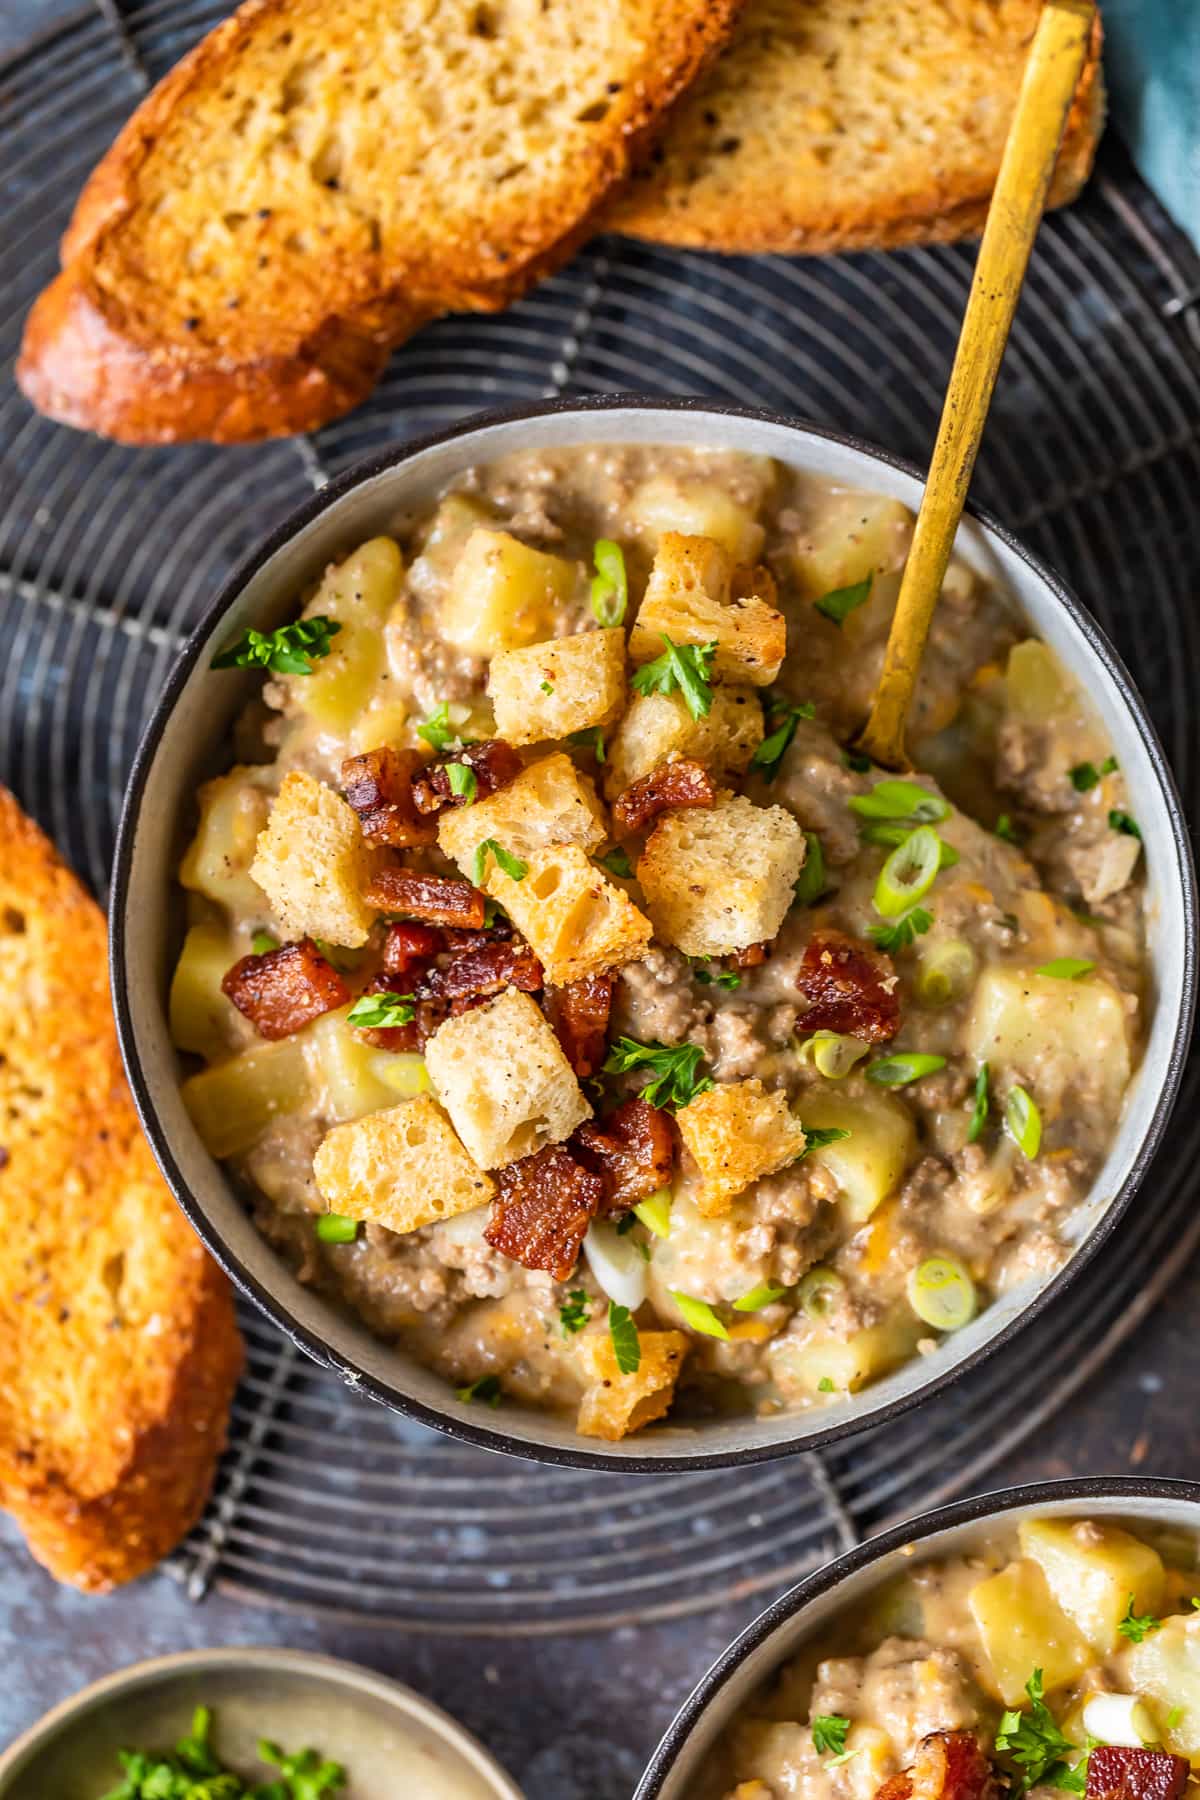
(1067, 968)
(832, 1053)
(900, 800)
(610, 587)
(463, 782)
(758, 1297)
(903, 1067)
(941, 1292)
(262, 943)
(699, 1315)
(979, 1109)
(819, 1292)
(946, 972)
(909, 872)
(810, 883)
(336, 1228)
(1024, 1122)
(655, 1212)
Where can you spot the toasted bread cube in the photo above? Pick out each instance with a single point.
(655, 727)
(737, 1132)
(696, 596)
(720, 878)
(502, 594)
(500, 1073)
(614, 1405)
(312, 863)
(403, 1168)
(550, 802)
(575, 919)
(565, 684)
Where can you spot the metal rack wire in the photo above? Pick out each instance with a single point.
(327, 1504)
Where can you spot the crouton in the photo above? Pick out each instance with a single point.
(501, 1074)
(614, 1405)
(402, 1168)
(312, 863)
(502, 594)
(696, 596)
(721, 879)
(737, 1132)
(566, 684)
(656, 727)
(550, 802)
(577, 921)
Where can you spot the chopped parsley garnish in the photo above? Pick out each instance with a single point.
(901, 934)
(839, 603)
(1067, 968)
(784, 715)
(1035, 1743)
(464, 784)
(547, 687)
(590, 738)
(684, 667)
(1086, 775)
(810, 883)
(699, 1315)
(825, 1386)
(1123, 822)
(617, 863)
(510, 865)
(904, 1066)
(676, 1067)
(1137, 1626)
(485, 1388)
(758, 1297)
(381, 1011)
(1004, 828)
(574, 1312)
(854, 759)
(980, 1105)
(262, 943)
(288, 650)
(627, 1346)
(610, 585)
(626, 1225)
(336, 1228)
(193, 1771)
(829, 1733)
(437, 730)
(724, 978)
(817, 1136)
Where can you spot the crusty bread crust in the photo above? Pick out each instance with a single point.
(119, 1354)
(699, 193)
(103, 349)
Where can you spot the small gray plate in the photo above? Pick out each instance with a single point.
(391, 1741)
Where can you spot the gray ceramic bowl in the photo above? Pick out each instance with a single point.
(188, 740)
(389, 1739)
(682, 1767)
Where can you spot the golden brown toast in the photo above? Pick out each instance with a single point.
(850, 124)
(314, 181)
(118, 1348)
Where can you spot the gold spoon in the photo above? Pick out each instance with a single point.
(1056, 60)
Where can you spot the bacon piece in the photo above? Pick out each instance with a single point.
(1116, 1773)
(494, 764)
(578, 1014)
(632, 1151)
(439, 898)
(542, 1210)
(409, 948)
(949, 1765)
(848, 988)
(671, 784)
(285, 988)
(379, 786)
(752, 957)
(488, 968)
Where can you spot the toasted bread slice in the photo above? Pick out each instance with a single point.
(848, 124)
(118, 1348)
(312, 182)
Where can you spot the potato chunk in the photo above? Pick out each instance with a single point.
(696, 509)
(550, 802)
(503, 594)
(576, 920)
(565, 684)
(721, 878)
(359, 593)
(202, 1019)
(350, 1078)
(655, 727)
(232, 1103)
(696, 596)
(614, 1405)
(737, 1132)
(312, 863)
(233, 810)
(1092, 1568)
(1023, 1628)
(1165, 1667)
(870, 1164)
(403, 1168)
(1050, 1034)
(852, 536)
(501, 1075)
(802, 1365)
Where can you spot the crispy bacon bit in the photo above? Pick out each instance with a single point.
(848, 988)
(632, 1150)
(285, 989)
(752, 957)
(949, 1765)
(494, 764)
(542, 1210)
(488, 968)
(379, 786)
(439, 898)
(579, 1014)
(680, 783)
(1116, 1773)
(408, 947)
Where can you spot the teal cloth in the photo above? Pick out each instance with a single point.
(1152, 61)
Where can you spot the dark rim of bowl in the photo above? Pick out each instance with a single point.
(494, 1438)
(961, 1512)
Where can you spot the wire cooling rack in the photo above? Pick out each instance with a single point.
(327, 1504)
